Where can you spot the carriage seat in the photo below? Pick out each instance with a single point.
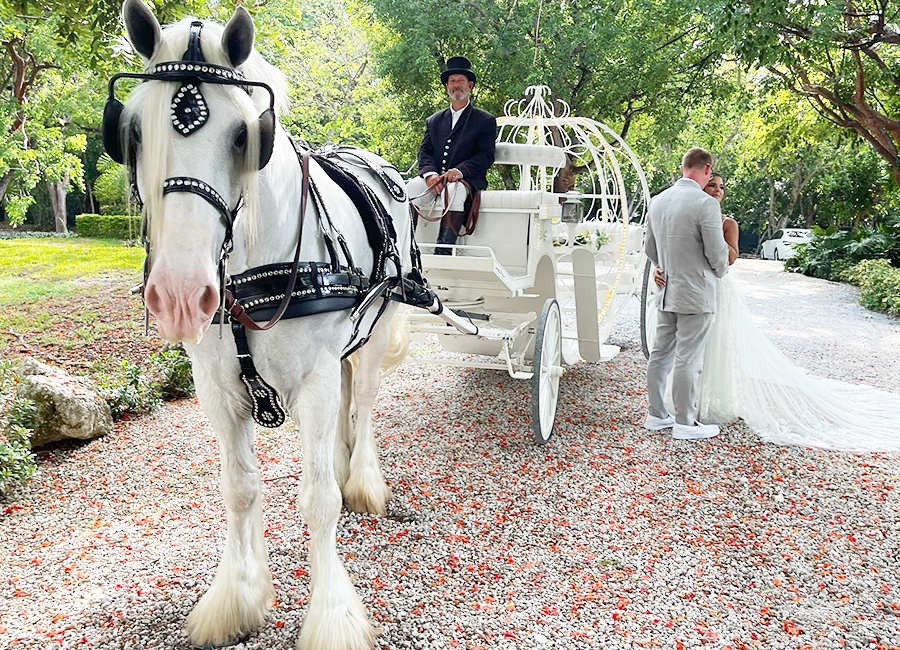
(504, 225)
(513, 153)
(505, 216)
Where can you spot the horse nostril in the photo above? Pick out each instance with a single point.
(152, 299)
(209, 301)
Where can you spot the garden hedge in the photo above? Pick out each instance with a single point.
(115, 226)
(879, 285)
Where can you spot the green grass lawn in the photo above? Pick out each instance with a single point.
(67, 302)
(32, 269)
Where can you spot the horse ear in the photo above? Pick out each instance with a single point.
(237, 40)
(142, 27)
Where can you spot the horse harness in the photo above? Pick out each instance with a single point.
(286, 290)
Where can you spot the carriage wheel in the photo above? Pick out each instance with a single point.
(649, 310)
(547, 371)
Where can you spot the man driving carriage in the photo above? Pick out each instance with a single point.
(456, 152)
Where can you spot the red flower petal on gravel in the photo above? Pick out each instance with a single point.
(791, 628)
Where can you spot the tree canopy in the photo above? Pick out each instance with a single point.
(797, 102)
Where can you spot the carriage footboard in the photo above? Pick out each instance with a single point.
(418, 295)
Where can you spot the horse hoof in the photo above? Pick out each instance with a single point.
(230, 644)
(337, 629)
(222, 619)
(373, 501)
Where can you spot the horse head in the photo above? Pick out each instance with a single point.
(194, 134)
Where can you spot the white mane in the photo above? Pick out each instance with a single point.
(151, 101)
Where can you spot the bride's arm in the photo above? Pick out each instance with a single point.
(731, 238)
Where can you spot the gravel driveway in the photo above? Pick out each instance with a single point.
(609, 537)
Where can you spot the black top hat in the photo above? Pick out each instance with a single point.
(458, 65)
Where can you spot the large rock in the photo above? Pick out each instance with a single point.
(67, 406)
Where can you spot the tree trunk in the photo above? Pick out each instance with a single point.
(772, 224)
(57, 191)
(5, 180)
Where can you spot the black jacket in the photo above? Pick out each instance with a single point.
(469, 147)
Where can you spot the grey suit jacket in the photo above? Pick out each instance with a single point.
(685, 239)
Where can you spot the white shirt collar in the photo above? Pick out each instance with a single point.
(455, 113)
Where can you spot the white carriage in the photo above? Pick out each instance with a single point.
(545, 272)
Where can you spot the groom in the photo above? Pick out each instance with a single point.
(684, 237)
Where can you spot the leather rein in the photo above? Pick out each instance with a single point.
(471, 218)
(234, 308)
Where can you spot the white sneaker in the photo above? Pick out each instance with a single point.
(697, 432)
(653, 423)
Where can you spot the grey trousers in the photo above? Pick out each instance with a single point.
(680, 341)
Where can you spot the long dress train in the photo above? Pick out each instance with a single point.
(745, 376)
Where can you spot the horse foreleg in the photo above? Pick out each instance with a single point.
(343, 441)
(365, 489)
(336, 619)
(241, 593)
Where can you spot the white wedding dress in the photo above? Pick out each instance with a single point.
(745, 376)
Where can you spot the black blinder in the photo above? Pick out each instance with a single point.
(112, 137)
(189, 110)
(266, 136)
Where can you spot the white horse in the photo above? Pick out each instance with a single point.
(300, 358)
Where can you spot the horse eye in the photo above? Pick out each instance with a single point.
(135, 132)
(241, 140)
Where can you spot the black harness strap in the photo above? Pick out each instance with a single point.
(266, 406)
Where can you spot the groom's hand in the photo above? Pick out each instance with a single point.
(659, 278)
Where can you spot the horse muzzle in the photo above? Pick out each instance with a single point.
(182, 310)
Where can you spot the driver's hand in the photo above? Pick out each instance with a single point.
(453, 175)
(435, 184)
(659, 278)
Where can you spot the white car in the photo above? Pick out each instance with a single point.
(780, 246)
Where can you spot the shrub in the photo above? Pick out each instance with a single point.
(128, 392)
(173, 369)
(833, 252)
(111, 186)
(17, 419)
(132, 391)
(115, 226)
(879, 285)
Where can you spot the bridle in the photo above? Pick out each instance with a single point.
(189, 113)
(311, 287)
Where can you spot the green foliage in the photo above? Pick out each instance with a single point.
(128, 392)
(17, 420)
(110, 187)
(112, 226)
(832, 252)
(44, 120)
(594, 56)
(879, 285)
(133, 390)
(172, 367)
(838, 56)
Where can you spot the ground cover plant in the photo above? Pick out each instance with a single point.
(832, 252)
(879, 285)
(17, 416)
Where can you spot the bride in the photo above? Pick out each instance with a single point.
(745, 376)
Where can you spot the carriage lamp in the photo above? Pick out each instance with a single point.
(572, 207)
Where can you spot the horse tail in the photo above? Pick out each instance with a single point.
(398, 345)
